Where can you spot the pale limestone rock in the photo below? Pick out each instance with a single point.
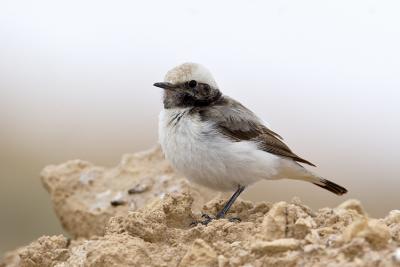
(46, 251)
(275, 222)
(302, 227)
(83, 194)
(373, 231)
(275, 246)
(352, 204)
(160, 234)
(152, 225)
(199, 254)
(286, 220)
(392, 218)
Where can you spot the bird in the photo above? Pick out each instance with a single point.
(215, 141)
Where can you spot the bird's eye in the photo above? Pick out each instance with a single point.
(192, 84)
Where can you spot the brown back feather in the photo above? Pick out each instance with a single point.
(238, 123)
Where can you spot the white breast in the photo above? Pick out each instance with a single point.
(204, 156)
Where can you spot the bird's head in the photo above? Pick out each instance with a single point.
(189, 85)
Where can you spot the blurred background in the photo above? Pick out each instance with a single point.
(76, 82)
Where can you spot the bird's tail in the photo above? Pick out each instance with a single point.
(298, 172)
(330, 186)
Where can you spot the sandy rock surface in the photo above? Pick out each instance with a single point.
(86, 196)
(153, 226)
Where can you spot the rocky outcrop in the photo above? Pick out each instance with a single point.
(86, 196)
(152, 225)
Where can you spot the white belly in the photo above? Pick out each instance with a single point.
(197, 151)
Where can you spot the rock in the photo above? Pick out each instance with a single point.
(393, 222)
(151, 224)
(275, 222)
(286, 220)
(392, 218)
(160, 234)
(374, 231)
(275, 246)
(140, 213)
(352, 204)
(10, 259)
(46, 251)
(85, 196)
(302, 227)
(199, 254)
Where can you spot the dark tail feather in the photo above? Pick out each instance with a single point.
(331, 186)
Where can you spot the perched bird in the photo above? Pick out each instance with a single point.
(217, 142)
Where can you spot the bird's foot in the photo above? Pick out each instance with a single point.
(206, 219)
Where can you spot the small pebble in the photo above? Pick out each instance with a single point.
(115, 203)
(139, 188)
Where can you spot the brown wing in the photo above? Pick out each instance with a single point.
(238, 123)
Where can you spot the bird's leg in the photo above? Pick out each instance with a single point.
(221, 214)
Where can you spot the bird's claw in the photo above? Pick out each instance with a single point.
(207, 219)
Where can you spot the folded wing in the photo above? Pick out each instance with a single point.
(239, 123)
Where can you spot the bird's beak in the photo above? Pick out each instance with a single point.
(166, 86)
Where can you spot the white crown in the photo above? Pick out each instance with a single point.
(190, 71)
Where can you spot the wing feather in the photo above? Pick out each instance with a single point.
(239, 123)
